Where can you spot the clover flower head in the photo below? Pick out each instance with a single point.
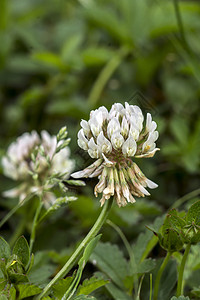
(113, 138)
(34, 160)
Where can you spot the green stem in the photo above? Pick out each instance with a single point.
(105, 75)
(185, 198)
(130, 252)
(18, 231)
(14, 209)
(180, 23)
(33, 232)
(181, 271)
(159, 275)
(73, 259)
(151, 287)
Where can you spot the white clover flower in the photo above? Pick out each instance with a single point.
(33, 160)
(113, 138)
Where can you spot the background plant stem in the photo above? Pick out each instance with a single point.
(105, 75)
(181, 271)
(75, 256)
(14, 209)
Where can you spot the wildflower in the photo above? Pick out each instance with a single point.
(37, 162)
(113, 138)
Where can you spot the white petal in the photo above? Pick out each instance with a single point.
(94, 150)
(104, 143)
(95, 126)
(153, 126)
(11, 193)
(151, 184)
(79, 174)
(108, 163)
(86, 128)
(129, 147)
(148, 154)
(124, 127)
(113, 126)
(148, 121)
(134, 131)
(143, 190)
(82, 141)
(117, 140)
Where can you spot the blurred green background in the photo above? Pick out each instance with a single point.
(59, 59)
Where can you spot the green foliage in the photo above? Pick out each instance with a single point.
(41, 270)
(180, 298)
(89, 285)
(178, 229)
(21, 250)
(84, 297)
(109, 259)
(27, 290)
(5, 250)
(58, 61)
(88, 251)
(61, 287)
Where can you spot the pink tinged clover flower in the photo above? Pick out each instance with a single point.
(38, 162)
(113, 138)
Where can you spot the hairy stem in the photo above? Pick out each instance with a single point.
(33, 232)
(181, 271)
(130, 252)
(159, 275)
(75, 256)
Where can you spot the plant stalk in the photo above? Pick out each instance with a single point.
(14, 209)
(159, 275)
(33, 232)
(181, 271)
(75, 256)
(105, 75)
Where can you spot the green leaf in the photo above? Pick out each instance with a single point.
(180, 298)
(41, 270)
(70, 47)
(61, 287)
(173, 221)
(94, 56)
(168, 280)
(196, 292)
(17, 277)
(109, 259)
(117, 293)
(27, 290)
(3, 284)
(88, 251)
(89, 285)
(3, 267)
(171, 240)
(84, 297)
(193, 214)
(180, 130)
(3, 297)
(75, 182)
(5, 251)
(21, 250)
(146, 241)
(146, 266)
(49, 59)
